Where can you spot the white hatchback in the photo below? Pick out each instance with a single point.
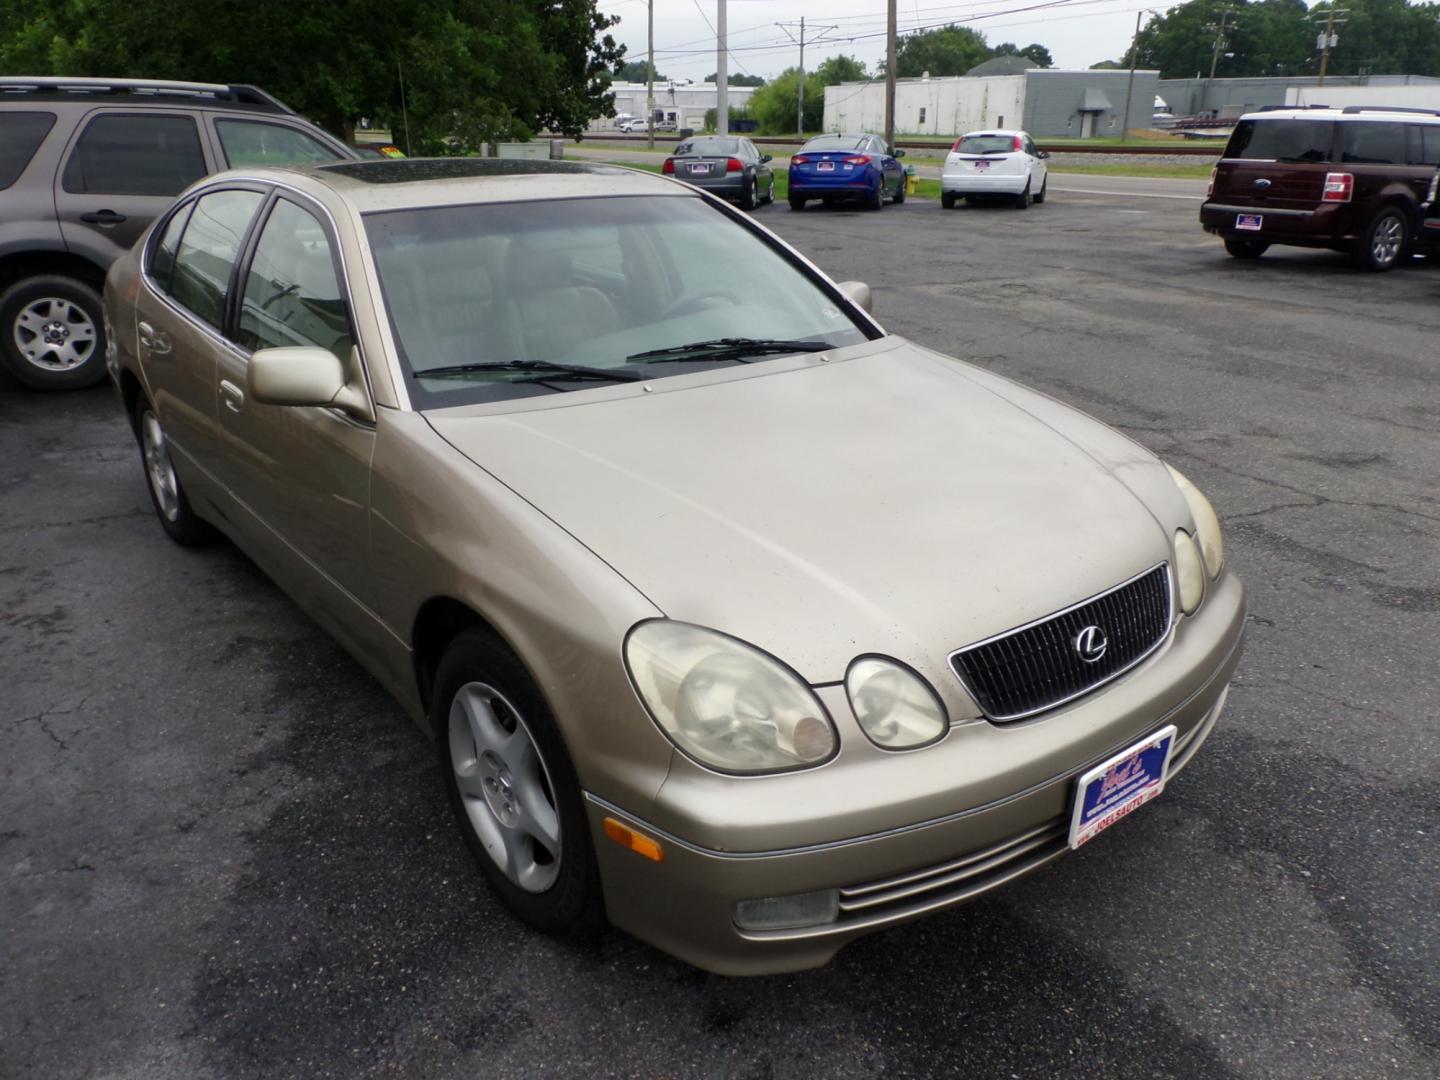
(982, 164)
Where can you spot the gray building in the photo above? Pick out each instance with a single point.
(1229, 98)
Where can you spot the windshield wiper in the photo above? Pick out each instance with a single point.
(732, 348)
(540, 368)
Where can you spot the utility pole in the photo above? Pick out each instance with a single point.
(1328, 38)
(1130, 86)
(789, 29)
(1220, 42)
(650, 80)
(890, 76)
(722, 73)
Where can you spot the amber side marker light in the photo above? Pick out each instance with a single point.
(636, 842)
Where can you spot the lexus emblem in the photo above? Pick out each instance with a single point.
(1090, 644)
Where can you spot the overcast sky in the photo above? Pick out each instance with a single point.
(1078, 33)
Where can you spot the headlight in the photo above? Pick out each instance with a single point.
(894, 706)
(727, 705)
(1207, 525)
(1189, 571)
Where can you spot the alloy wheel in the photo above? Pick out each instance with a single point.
(158, 467)
(1387, 240)
(54, 334)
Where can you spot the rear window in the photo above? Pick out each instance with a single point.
(1372, 142)
(986, 144)
(21, 134)
(1282, 140)
(135, 155)
(708, 146)
(835, 142)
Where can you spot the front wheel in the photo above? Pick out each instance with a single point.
(1245, 247)
(178, 520)
(512, 786)
(51, 333)
(900, 193)
(1384, 241)
(769, 192)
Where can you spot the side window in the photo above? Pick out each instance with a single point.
(292, 294)
(162, 258)
(251, 142)
(21, 134)
(1377, 143)
(1425, 144)
(208, 249)
(135, 155)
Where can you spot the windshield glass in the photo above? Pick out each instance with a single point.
(708, 146)
(834, 142)
(585, 283)
(987, 144)
(1281, 140)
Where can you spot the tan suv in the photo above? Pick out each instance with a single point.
(85, 167)
(1359, 180)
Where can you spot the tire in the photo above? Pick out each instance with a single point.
(1245, 247)
(503, 759)
(769, 193)
(875, 201)
(1022, 201)
(167, 496)
(900, 193)
(749, 199)
(1040, 195)
(52, 335)
(1384, 242)
(947, 200)
(797, 203)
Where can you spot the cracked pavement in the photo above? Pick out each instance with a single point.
(224, 852)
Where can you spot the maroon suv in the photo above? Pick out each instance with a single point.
(1360, 180)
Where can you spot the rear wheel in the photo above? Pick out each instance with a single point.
(512, 786)
(876, 199)
(947, 200)
(1022, 201)
(748, 197)
(797, 203)
(1384, 241)
(51, 335)
(1244, 247)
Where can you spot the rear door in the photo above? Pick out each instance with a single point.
(121, 171)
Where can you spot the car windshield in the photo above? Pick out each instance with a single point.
(707, 146)
(835, 142)
(987, 144)
(507, 289)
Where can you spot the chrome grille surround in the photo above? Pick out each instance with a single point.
(1035, 667)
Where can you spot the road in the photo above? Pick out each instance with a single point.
(224, 853)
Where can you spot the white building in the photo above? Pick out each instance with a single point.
(682, 103)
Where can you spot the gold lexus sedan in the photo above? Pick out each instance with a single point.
(733, 617)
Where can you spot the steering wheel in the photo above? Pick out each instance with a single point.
(698, 302)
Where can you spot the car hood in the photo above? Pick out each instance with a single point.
(890, 501)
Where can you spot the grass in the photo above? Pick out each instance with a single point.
(1117, 168)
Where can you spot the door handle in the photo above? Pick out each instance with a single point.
(155, 342)
(103, 218)
(232, 395)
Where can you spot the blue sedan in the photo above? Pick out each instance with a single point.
(836, 167)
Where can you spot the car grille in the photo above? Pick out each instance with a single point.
(958, 879)
(1037, 667)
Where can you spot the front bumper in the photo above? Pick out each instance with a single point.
(987, 836)
(984, 183)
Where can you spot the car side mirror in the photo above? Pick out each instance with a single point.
(857, 292)
(1043, 154)
(899, 153)
(766, 157)
(302, 375)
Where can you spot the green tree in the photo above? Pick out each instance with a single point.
(636, 71)
(473, 70)
(949, 50)
(738, 80)
(1039, 53)
(774, 104)
(834, 70)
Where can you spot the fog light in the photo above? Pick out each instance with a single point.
(788, 912)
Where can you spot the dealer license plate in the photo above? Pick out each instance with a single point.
(700, 168)
(825, 166)
(1249, 222)
(981, 166)
(1117, 787)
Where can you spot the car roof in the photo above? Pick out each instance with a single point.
(1010, 132)
(405, 183)
(88, 92)
(1347, 113)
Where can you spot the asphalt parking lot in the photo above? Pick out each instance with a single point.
(224, 852)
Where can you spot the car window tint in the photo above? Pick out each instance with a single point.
(1425, 144)
(207, 252)
(708, 148)
(1281, 140)
(987, 144)
(1373, 143)
(21, 134)
(162, 259)
(135, 155)
(835, 142)
(247, 143)
(292, 294)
